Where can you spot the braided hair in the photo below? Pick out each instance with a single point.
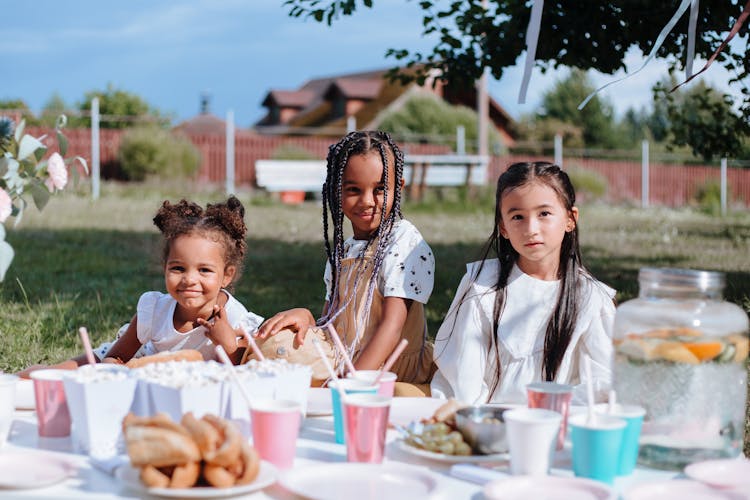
(221, 222)
(358, 143)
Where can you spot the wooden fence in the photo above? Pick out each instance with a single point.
(672, 185)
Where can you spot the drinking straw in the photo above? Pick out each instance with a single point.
(84, 334)
(253, 345)
(328, 366)
(323, 357)
(391, 359)
(341, 348)
(612, 401)
(589, 389)
(225, 359)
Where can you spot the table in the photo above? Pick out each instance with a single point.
(315, 445)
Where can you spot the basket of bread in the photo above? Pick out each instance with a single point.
(205, 452)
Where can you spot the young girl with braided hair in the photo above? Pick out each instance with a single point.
(378, 280)
(529, 310)
(203, 255)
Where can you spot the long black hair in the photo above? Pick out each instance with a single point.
(358, 143)
(570, 270)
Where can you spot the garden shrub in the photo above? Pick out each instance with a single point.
(152, 151)
(292, 152)
(589, 185)
(708, 197)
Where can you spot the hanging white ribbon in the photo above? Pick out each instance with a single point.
(532, 37)
(691, 38)
(684, 4)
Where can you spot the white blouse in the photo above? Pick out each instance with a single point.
(466, 364)
(408, 268)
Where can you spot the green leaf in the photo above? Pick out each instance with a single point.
(62, 143)
(40, 194)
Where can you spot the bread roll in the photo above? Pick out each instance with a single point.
(159, 447)
(162, 357)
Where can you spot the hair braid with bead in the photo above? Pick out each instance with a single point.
(358, 143)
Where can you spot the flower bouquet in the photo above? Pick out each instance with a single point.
(25, 170)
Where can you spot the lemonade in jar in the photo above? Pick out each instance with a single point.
(681, 352)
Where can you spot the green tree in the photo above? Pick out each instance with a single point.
(20, 106)
(53, 108)
(596, 120)
(703, 119)
(118, 109)
(585, 34)
(430, 118)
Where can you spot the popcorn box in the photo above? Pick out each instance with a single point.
(99, 397)
(196, 397)
(142, 404)
(293, 385)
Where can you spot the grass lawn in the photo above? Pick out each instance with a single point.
(81, 262)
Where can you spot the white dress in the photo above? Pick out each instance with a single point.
(408, 268)
(156, 332)
(466, 365)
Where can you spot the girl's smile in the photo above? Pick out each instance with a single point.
(195, 274)
(362, 193)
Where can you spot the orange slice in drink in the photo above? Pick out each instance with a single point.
(676, 352)
(704, 350)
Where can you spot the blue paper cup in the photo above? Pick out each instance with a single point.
(596, 445)
(350, 386)
(633, 417)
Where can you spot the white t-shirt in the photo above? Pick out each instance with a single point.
(466, 365)
(155, 318)
(408, 268)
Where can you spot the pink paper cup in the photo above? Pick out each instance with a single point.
(52, 412)
(275, 425)
(365, 426)
(385, 386)
(555, 397)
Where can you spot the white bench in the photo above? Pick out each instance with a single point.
(419, 171)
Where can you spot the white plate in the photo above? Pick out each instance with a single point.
(452, 459)
(266, 477)
(31, 470)
(319, 402)
(25, 395)
(353, 480)
(679, 489)
(728, 473)
(547, 487)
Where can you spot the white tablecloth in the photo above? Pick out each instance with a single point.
(315, 445)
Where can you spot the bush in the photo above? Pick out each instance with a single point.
(292, 152)
(152, 151)
(708, 197)
(589, 185)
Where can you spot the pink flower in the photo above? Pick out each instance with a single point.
(58, 174)
(6, 206)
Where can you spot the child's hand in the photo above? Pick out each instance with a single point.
(220, 331)
(298, 320)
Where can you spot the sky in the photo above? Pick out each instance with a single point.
(170, 52)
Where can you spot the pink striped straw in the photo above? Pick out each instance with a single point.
(253, 345)
(341, 348)
(391, 359)
(87, 345)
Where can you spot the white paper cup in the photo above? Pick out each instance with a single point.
(7, 404)
(532, 434)
(97, 407)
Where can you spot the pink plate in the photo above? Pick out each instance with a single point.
(31, 470)
(547, 487)
(679, 489)
(727, 473)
